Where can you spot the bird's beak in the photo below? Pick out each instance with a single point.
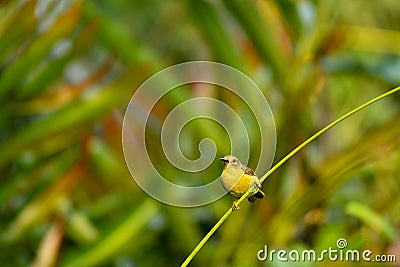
(224, 160)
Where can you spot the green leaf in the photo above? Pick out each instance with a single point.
(127, 229)
(372, 219)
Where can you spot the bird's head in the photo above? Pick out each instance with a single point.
(229, 159)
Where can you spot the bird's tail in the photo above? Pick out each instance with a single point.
(259, 194)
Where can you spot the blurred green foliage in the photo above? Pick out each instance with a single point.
(68, 69)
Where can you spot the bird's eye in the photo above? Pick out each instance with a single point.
(234, 161)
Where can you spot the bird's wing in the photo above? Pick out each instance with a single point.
(248, 171)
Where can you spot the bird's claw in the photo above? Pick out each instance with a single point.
(234, 206)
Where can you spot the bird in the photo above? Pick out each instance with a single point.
(237, 179)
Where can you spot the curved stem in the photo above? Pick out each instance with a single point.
(280, 163)
(326, 128)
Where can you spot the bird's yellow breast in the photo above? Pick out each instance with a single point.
(236, 181)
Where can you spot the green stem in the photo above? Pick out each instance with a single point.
(326, 128)
(205, 239)
(280, 163)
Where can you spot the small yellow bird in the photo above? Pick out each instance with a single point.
(238, 179)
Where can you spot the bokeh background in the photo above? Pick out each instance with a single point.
(68, 69)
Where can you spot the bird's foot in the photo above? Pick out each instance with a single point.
(234, 206)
